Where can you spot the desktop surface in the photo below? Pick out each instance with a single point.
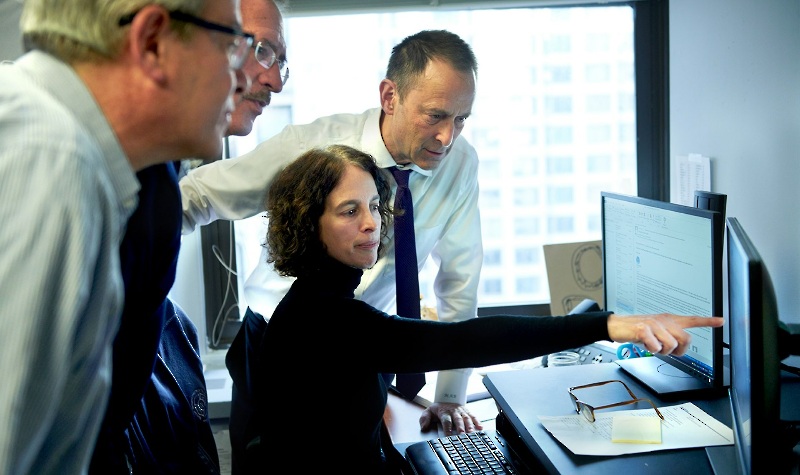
(524, 395)
(723, 459)
(541, 391)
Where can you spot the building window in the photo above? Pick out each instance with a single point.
(526, 197)
(559, 165)
(492, 257)
(557, 44)
(556, 74)
(490, 198)
(596, 164)
(598, 73)
(528, 255)
(598, 103)
(558, 135)
(527, 284)
(560, 195)
(492, 286)
(560, 224)
(558, 104)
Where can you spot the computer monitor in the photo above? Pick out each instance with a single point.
(664, 257)
(755, 356)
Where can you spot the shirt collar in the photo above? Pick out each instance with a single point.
(374, 145)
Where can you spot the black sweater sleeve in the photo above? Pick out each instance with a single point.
(487, 340)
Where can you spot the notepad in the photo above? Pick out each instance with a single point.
(636, 430)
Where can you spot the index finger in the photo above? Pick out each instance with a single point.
(696, 321)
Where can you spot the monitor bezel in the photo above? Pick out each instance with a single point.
(754, 337)
(684, 363)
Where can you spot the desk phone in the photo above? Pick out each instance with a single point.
(598, 352)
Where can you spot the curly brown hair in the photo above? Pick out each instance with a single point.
(296, 201)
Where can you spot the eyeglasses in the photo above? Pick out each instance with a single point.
(266, 56)
(588, 411)
(237, 51)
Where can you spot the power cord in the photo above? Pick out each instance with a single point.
(218, 329)
(224, 313)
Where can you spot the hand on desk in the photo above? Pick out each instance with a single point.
(663, 333)
(455, 419)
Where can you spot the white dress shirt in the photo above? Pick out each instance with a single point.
(66, 192)
(446, 219)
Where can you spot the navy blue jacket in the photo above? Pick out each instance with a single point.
(148, 257)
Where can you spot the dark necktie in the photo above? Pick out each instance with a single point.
(407, 274)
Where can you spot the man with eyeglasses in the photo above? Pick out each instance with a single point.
(170, 431)
(82, 119)
(267, 68)
(83, 115)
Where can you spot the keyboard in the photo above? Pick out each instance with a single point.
(463, 454)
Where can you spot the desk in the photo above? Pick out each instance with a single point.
(402, 420)
(544, 392)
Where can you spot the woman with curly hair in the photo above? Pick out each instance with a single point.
(328, 216)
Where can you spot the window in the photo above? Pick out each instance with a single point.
(558, 135)
(557, 44)
(598, 133)
(526, 197)
(560, 195)
(492, 257)
(528, 255)
(558, 74)
(598, 103)
(558, 104)
(598, 163)
(598, 73)
(490, 198)
(559, 165)
(582, 85)
(528, 284)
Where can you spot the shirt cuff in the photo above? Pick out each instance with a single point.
(451, 386)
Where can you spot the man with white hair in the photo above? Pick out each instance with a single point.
(81, 112)
(163, 427)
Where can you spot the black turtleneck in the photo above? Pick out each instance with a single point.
(320, 395)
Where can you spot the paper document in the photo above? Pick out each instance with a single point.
(684, 426)
(689, 173)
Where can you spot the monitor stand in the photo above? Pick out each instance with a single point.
(667, 381)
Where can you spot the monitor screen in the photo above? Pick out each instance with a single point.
(664, 257)
(755, 361)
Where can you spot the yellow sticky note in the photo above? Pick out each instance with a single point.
(636, 430)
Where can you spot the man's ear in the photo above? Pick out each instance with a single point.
(146, 40)
(388, 90)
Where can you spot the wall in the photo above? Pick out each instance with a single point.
(735, 97)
